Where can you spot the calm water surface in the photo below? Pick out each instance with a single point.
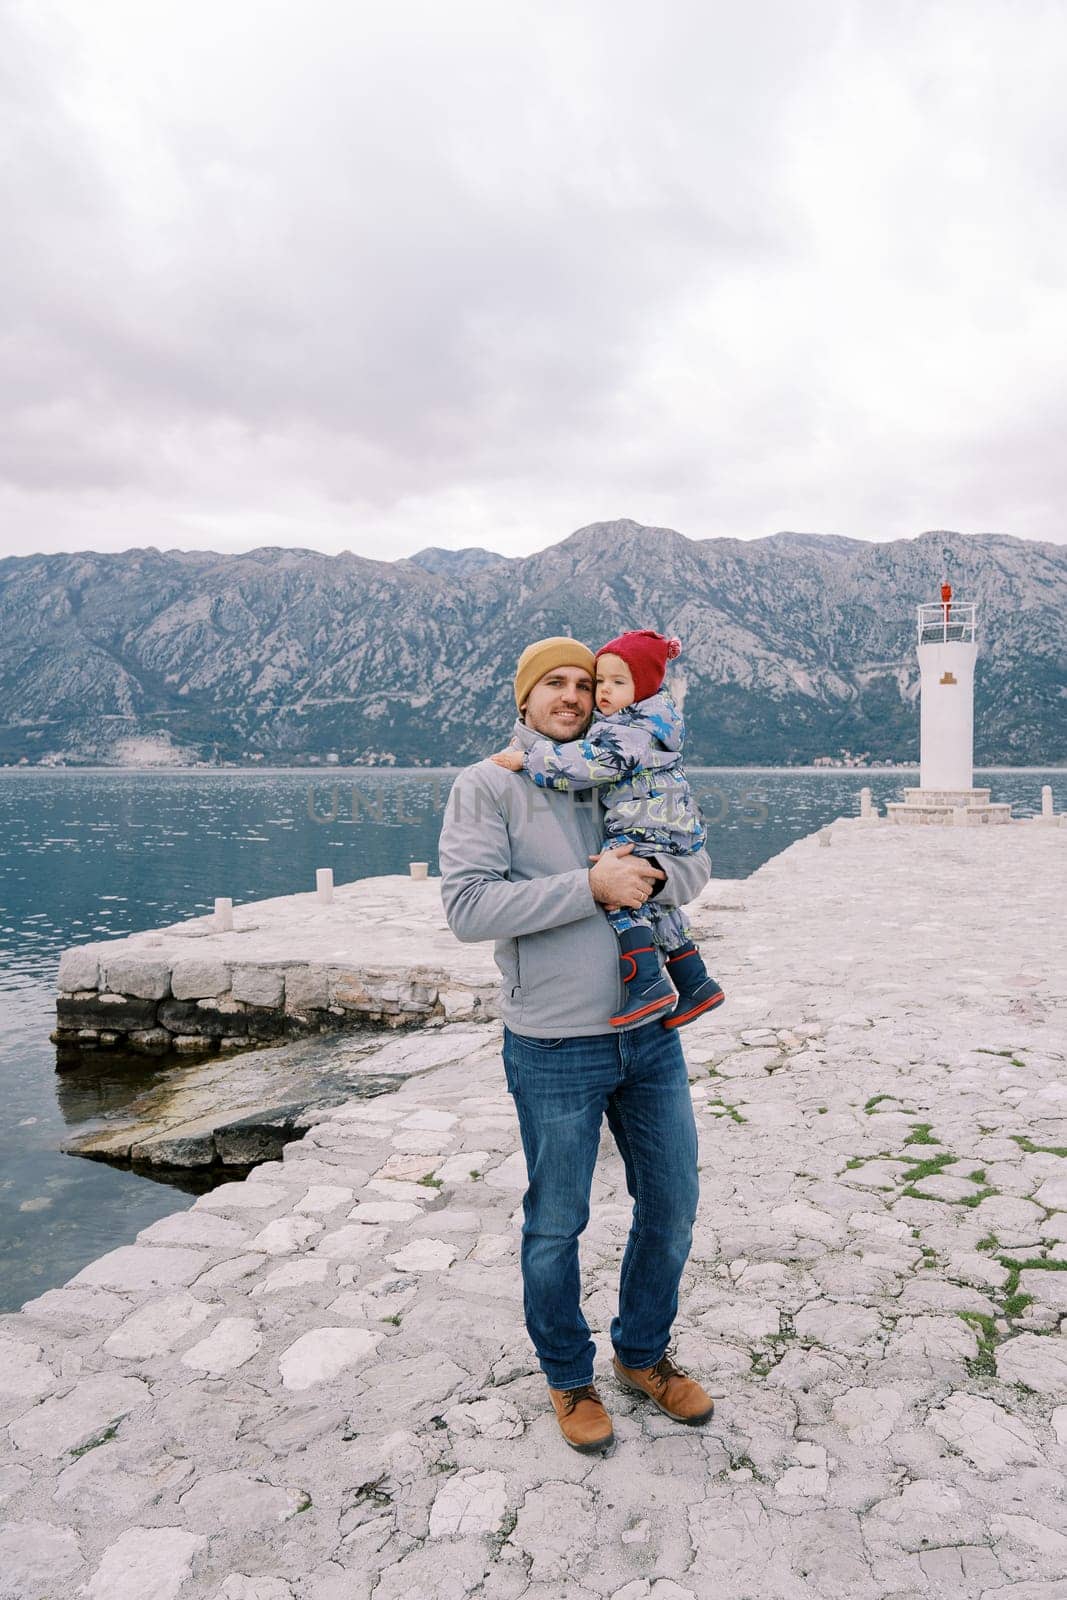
(94, 855)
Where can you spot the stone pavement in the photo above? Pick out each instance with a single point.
(315, 1384)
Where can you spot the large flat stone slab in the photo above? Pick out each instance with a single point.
(145, 1564)
(136, 1267)
(70, 1422)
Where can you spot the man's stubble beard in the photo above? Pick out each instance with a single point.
(563, 733)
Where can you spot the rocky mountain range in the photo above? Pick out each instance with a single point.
(795, 646)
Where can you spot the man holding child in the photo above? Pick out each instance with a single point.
(525, 866)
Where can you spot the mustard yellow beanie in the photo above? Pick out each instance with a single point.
(544, 654)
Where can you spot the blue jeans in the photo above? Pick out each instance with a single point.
(562, 1089)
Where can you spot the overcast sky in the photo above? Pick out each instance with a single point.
(377, 276)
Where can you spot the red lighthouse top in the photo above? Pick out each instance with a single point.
(947, 621)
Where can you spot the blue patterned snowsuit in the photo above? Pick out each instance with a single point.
(635, 758)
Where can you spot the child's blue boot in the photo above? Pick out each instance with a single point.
(649, 992)
(697, 991)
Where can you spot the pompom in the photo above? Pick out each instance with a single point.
(674, 649)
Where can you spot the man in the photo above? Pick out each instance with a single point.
(515, 868)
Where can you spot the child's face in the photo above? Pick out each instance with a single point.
(614, 685)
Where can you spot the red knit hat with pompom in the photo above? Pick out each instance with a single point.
(646, 653)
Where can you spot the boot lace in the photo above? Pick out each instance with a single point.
(665, 1369)
(586, 1391)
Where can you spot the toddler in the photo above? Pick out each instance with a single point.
(633, 754)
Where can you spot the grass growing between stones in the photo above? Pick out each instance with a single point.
(428, 1181)
(725, 1109)
(372, 1493)
(874, 1102)
(1014, 1302)
(742, 1463)
(915, 1170)
(1012, 1305)
(1029, 1148)
(984, 1364)
(918, 1170)
(1007, 1055)
(500, 1536)
(972, 1200)
(95, 1443)
(764, 1361)
(855, 1162)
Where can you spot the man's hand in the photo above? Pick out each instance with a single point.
(619, 878)
(512, 759)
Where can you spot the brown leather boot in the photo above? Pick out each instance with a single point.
(667, 1386)
(582, 1419)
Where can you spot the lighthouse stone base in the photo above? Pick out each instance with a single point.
(961, 807)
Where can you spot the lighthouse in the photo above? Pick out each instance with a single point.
(948, 651)
(947, 647)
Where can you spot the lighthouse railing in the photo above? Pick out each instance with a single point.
(947, 622)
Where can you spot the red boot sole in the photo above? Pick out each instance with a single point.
(705, 1005)
(647, 1011)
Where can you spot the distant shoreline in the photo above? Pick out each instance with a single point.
(388, 771)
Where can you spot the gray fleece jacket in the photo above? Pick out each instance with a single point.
(515, 869)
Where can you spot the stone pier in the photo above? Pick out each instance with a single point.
(377, 955)
(315, 1384)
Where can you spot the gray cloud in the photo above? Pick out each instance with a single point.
(367, 278)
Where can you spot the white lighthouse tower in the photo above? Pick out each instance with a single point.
(948, 649)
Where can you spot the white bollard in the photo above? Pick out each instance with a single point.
(324, 884)
(419, 869)
(824, 838)
(223, 915)
(865, 803)
(959, 816)
(1046, 803)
